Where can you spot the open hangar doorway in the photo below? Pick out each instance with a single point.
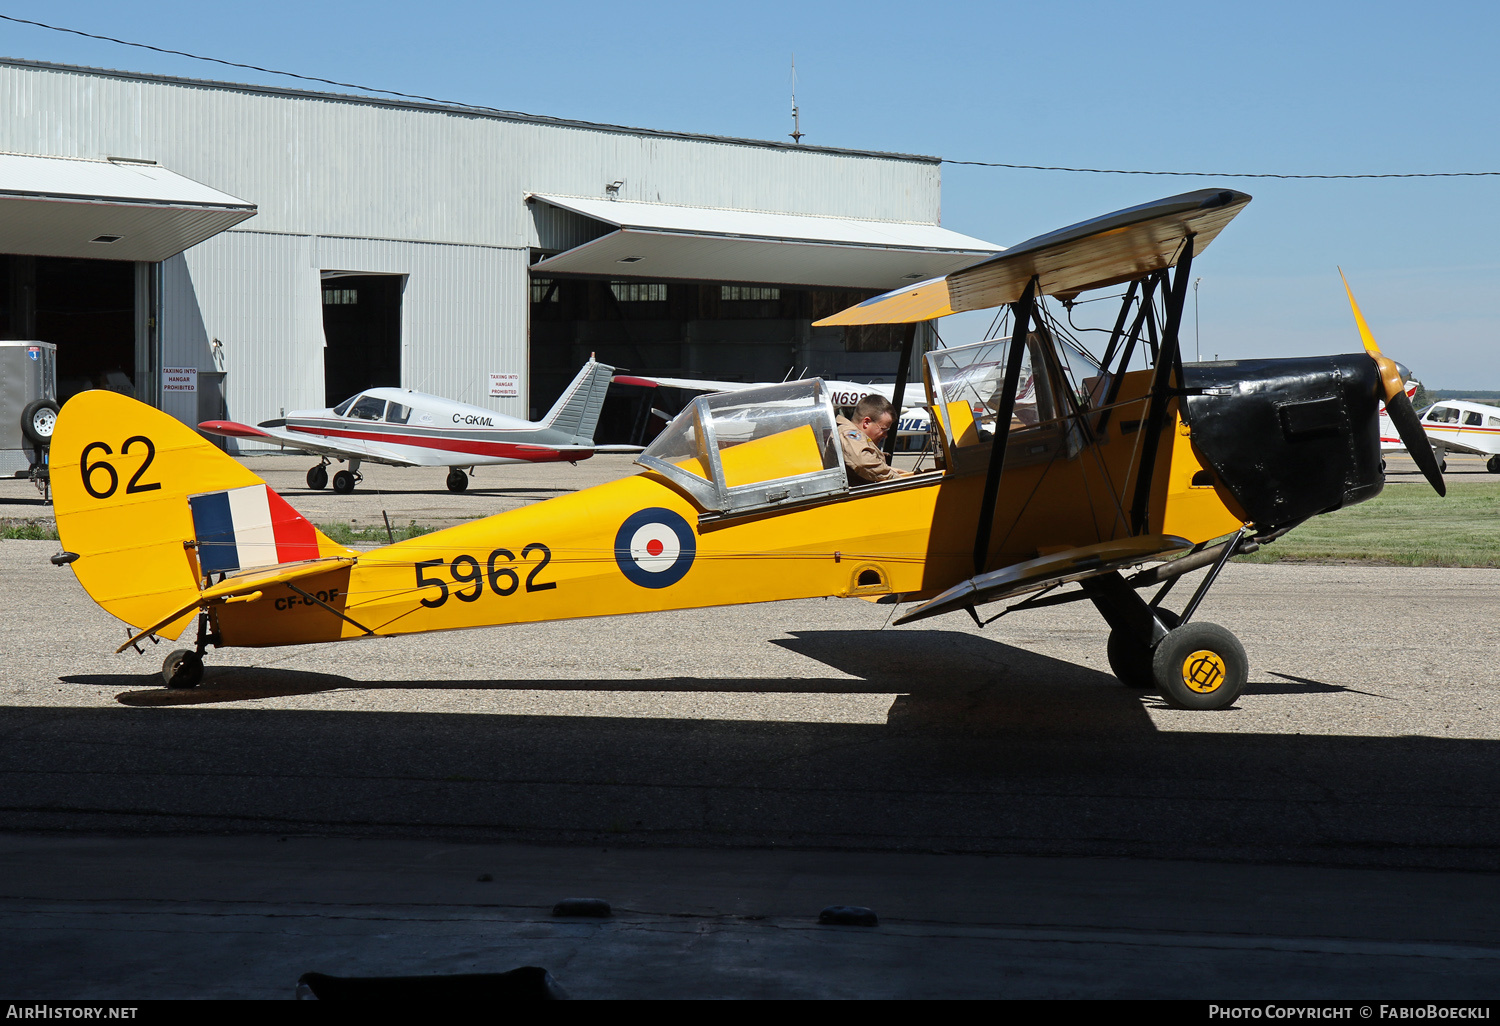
(99, 313)
(361, 332)
(722, 331)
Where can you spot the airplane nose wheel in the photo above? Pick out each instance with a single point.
(457, 480)
(182, 669)
(343, 482)
(1493, 464)
(1200, 666)
(317, 477)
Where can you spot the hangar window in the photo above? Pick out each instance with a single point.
(544, 290)
(738, 293)
(1472, 419)
(756, 448)
(639, 291)
(340, 297)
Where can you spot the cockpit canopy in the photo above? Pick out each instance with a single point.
(369, 407)
(755, 448)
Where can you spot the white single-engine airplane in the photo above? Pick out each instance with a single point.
(403, 428)
(1459, 426)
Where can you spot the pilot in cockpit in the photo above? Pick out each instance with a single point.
(860, 440)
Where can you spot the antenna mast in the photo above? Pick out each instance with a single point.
(796, 132)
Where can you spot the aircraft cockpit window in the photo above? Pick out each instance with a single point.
(1473, 419)
(395, 413)
(1494, 421)
(754, 448)
(367, 408)
(1442, 415)
(967, 384)
(343, 407)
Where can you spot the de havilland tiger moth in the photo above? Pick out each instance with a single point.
(744, 497)
(403, 428)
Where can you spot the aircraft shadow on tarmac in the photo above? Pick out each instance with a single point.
(941, 680)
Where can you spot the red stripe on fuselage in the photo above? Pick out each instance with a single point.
(500, 450)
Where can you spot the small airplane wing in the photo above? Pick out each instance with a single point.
(1058, 568)
(691, 384)
(315, 444)
(1092, 254)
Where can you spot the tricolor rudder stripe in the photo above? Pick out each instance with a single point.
(249, 527)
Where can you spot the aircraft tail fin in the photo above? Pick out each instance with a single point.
(577, 409)
(150, 508)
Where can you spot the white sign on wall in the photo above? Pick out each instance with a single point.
(505, 386)
(179, 379)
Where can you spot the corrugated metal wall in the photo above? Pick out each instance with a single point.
(438, 197)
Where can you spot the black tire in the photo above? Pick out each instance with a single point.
(1200, 666)
(37, 421)
(182, 669)
(457, 480)
(1382, 464)
(1130, 658)
(343, 482)
(1492, 464)
(317, 477)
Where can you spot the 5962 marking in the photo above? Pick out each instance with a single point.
(469, 578)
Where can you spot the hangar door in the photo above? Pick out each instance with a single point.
(362, 331)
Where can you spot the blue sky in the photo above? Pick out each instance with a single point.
(1280, 87)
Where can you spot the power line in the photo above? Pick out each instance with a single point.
(1219, 174)
(517, 113)
(268, 71)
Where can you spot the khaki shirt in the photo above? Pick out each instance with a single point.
(862, 457)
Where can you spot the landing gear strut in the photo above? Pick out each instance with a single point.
(1191, 665)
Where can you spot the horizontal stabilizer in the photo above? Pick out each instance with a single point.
(1057, 568)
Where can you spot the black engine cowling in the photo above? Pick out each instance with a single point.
(1288, 438)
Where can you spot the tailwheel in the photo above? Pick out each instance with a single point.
(183, 669)
(1130, 654)
(343, 482)
(1200, 666)
(457, 480)
(317, 477)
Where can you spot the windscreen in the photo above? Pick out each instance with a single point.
(751, 414)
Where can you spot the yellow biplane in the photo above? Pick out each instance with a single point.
(1053, 467)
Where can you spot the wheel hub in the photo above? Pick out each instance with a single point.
(1204, 671)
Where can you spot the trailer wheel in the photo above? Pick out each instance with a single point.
(37, 421)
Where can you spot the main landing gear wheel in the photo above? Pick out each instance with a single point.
(1200, 666)
(1493, 464)
(182, 669)
(1130, 657)
(343, 482)
(317, 477)
(457, 480)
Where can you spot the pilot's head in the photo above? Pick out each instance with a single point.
(874, 415)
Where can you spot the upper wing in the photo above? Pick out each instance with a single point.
(1092, 254)
(1058, 568)
(354, 448)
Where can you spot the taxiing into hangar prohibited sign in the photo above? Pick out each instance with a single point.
(655, 548)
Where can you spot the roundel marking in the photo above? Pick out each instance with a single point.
(1203, 671)
(655, 548)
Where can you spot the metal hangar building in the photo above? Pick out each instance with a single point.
(235, 251)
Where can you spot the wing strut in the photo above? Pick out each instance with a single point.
(1118, 378)
(1168, 362)
(1021, 310)
(907, 345)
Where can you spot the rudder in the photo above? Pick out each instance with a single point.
(122, 474)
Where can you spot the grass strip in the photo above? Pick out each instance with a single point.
(346, 534)
(1405, 525)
